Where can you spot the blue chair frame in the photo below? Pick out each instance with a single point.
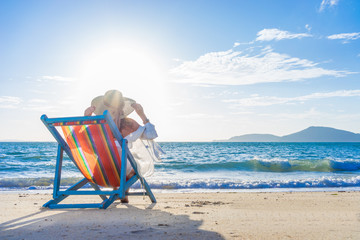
(59, 195)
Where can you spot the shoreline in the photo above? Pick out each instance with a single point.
(230, 215)
(201, 190)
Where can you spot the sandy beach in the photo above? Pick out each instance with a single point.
(280, 215)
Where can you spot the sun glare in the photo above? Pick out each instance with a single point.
(126, 65)
(134, 70)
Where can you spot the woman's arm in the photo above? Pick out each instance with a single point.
(149, 132)
(89, 111)
(140, 111)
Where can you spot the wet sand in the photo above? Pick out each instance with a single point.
(300, 215)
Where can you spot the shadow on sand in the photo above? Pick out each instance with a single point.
(117, 222)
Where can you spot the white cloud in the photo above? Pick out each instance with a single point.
(345, 36)
(340, 93)
(198, 116)
(37, 100)
(9, 102)
(203, 85)
(42, 109)
(42, 92)
(242, 113)
(236, 44)
(8, 99)
(328, 3)
(56, 78)
(257, 101)
(311, 113)
(248, 67)
(268, 100)
(307, 26)
(276, 34)
(214, 95)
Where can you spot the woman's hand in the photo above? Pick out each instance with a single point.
(89, 111)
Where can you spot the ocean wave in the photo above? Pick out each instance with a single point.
(323, 182)
(16, 153)
(191, 165)
(35, 182)
(305, 165)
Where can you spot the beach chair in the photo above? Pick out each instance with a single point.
(90, 144)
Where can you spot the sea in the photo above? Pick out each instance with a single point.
(203, 167)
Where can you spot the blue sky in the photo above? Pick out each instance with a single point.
(203, 70)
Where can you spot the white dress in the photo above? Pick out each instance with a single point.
(144, 149)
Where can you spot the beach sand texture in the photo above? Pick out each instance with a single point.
(279, 215)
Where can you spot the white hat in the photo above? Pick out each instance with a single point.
(113, 99)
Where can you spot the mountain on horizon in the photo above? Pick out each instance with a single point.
(255, 138)
(310, 134)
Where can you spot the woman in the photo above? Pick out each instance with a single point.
(140, 138)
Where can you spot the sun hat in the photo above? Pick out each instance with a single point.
(113, 99)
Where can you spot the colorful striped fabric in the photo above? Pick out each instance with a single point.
(78, 122)
(95, 153)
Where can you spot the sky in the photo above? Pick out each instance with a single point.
(203, 70)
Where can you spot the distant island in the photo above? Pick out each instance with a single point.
(311, 134)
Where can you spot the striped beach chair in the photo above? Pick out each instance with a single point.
(90, 144)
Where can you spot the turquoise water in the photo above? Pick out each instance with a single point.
(229, 166)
